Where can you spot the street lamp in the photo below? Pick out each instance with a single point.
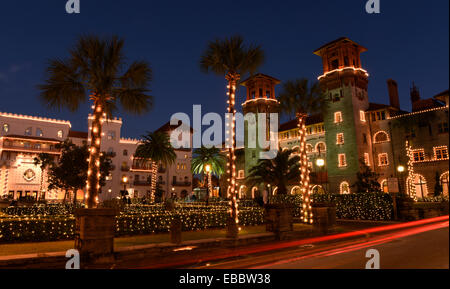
(320, 163)
(124, 181)
(401, 169)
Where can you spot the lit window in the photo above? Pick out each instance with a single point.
(366, 159)
(344, 188)
(39, 132)
(383, 159)
(185, 156)
(338, 117)
(309, 130)
(309, 148)
(340, 138)
(384, 186)
(320, 147)
(380, 137)
(241, 174)
(5, 128)
(362, 115)
(111, 135)
(418, 155)
(342, 161)
(60, 134)
(441, 153)
(29, 131)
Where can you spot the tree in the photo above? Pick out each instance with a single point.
(43, 160)
(302, 98)
(70, 172)
(232, 59)
(277, 172)
(97, 70)
(208, 156)
(367, 180)
(155, 148)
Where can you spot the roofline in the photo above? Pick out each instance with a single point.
(277, 81)
(317, 51)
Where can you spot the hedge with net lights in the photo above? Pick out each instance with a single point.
(55, 228)
(361, 206)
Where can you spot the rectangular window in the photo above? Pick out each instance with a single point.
(419, 155)
(241, 174)
(342, 161)
(383, 160)
(362, 116)
(374, 117)
(340, 138)
(111, 135)
(338, 117)
(366, 159)
(441, 153)
(443, 127)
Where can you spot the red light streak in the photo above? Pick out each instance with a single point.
(270, 247)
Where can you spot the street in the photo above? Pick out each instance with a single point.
(425, 246)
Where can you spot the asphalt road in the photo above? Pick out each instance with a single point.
(419, 247)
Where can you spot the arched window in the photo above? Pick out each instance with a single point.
(242, 192)
(444, 183)
(381, 137)
(321, 147)
(60, 134)
(309, 148)
(5, 128)
(296, 150)
(384, 186)
(39, 132)
(29, 131)
(318, 189)
(419, 183)
(295, 190)
(344, 188)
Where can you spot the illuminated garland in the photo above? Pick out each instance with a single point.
(306, 212)
(232, 79)
(410, 164)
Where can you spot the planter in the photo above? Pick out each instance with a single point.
(324, 217)
(94, 235)
(278, 218)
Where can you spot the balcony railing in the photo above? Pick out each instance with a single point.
(182, 184)
(136, 167)
(142, 183)
(37, 149)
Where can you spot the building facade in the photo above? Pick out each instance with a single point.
(24, 137)
(353, 130)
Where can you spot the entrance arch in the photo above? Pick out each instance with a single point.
(296, 190)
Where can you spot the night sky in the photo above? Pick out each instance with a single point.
(408, 41)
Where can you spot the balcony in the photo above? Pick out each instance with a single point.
(30, 148)
(141, 167)
(142, 183)
(181, 184)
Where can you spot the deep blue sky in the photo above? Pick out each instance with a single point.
(408, 41)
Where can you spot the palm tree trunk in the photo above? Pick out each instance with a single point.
(154, 179)
(75, 196)
(93, 183)
(232, 79)
(40, 187)
(210, 184)
(304, 170)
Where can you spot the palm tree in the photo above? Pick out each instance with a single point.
(43, 160)
(232, 59)
(302, 98)
(156, 148)
(96, 70)
(277, 172)
(211, 157)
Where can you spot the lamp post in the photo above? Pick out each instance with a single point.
(401, 169)
(320, 163)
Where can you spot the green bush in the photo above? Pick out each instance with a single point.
(55, 228)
